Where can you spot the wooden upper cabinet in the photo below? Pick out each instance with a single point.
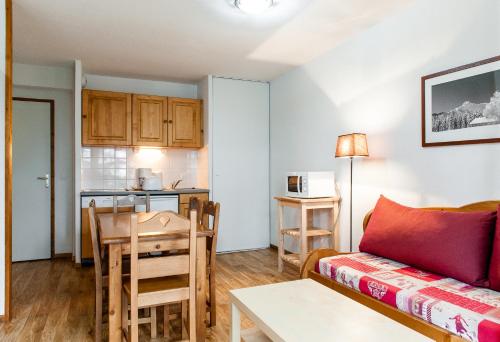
(149, 120)
(106, 118)
(184, 123)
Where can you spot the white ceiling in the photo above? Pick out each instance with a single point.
(186, 39)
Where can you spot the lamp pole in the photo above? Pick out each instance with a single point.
(350, 211)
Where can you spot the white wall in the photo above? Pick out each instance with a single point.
(371, 84)
(204, 87)
(42, 76)
(56, 83)
(148, 87)
(2, 159)
(63, 154)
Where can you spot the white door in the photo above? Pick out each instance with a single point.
(240, 163)
(31, 191)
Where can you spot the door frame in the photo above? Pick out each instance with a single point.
(52, 167)
(8, 160)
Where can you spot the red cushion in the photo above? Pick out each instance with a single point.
(454, 244)
(494, 275)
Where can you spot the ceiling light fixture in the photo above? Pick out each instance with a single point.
(253, 6)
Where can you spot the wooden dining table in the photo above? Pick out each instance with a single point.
(114, 232)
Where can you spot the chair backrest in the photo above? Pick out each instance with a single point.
(196, 204)
(169, 224)
(94, 233)
(210, 220)
(129, 201)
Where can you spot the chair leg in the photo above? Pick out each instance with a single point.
(213, 302)
(192, 319)
(166, 321)
(153, 322)
(98, 313)
(134, 323)
(125, 314)
(184, 319)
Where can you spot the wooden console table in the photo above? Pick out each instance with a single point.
(306, 232)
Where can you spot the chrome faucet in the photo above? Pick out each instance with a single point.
(175, 184)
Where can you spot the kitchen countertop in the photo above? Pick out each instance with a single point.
(87, 193)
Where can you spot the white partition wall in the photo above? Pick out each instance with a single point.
(240, 162)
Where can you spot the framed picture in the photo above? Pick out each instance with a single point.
(462, 105)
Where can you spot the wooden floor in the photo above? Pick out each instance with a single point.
(54, 301)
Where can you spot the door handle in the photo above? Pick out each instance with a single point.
(45, 178)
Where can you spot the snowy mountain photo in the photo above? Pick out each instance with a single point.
(468, 115)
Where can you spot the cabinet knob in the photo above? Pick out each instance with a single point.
(170, 121)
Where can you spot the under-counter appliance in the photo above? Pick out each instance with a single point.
(310, 184)
(160, 203)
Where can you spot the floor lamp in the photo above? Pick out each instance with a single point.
(350, 146)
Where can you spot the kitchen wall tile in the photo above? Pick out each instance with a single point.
(85, 152)
(86, 163)
(108, 163)
(108, 173)
(121, 184)
(108, 152)
(109, 168)
(121, 163)
(95, 163)
(121, 174)
(96, 152)
(108, 185)
(92, 173)
(131, 173)
(120, 152)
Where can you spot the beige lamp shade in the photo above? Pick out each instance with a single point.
(352, 145)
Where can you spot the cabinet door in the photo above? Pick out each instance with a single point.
(184, 202)
(184, 123)
(86, 239)
(149, 120)
(106, 118)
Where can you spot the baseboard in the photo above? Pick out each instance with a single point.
(286, 250)
(62, 255)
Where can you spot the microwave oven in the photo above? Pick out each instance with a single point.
(310, 184)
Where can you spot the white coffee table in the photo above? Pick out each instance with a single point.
(305, 310)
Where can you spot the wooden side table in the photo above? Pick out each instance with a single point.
(306, 232)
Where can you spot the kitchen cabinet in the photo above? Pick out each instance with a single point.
(106, 118)
(184, 202)
(87, 253)
(121, 119)
(185, 127)
(149, 120)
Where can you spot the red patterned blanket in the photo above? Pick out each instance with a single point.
(470, 312)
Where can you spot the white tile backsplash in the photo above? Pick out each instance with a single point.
(115, 168)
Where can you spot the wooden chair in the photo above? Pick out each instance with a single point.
(101, 277)
(165, 279)
(196, 204)
(129, 201)
(210, 220)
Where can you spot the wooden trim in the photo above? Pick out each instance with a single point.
(52, 165)
(441, 73)
(62, 255)
(8, 159)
